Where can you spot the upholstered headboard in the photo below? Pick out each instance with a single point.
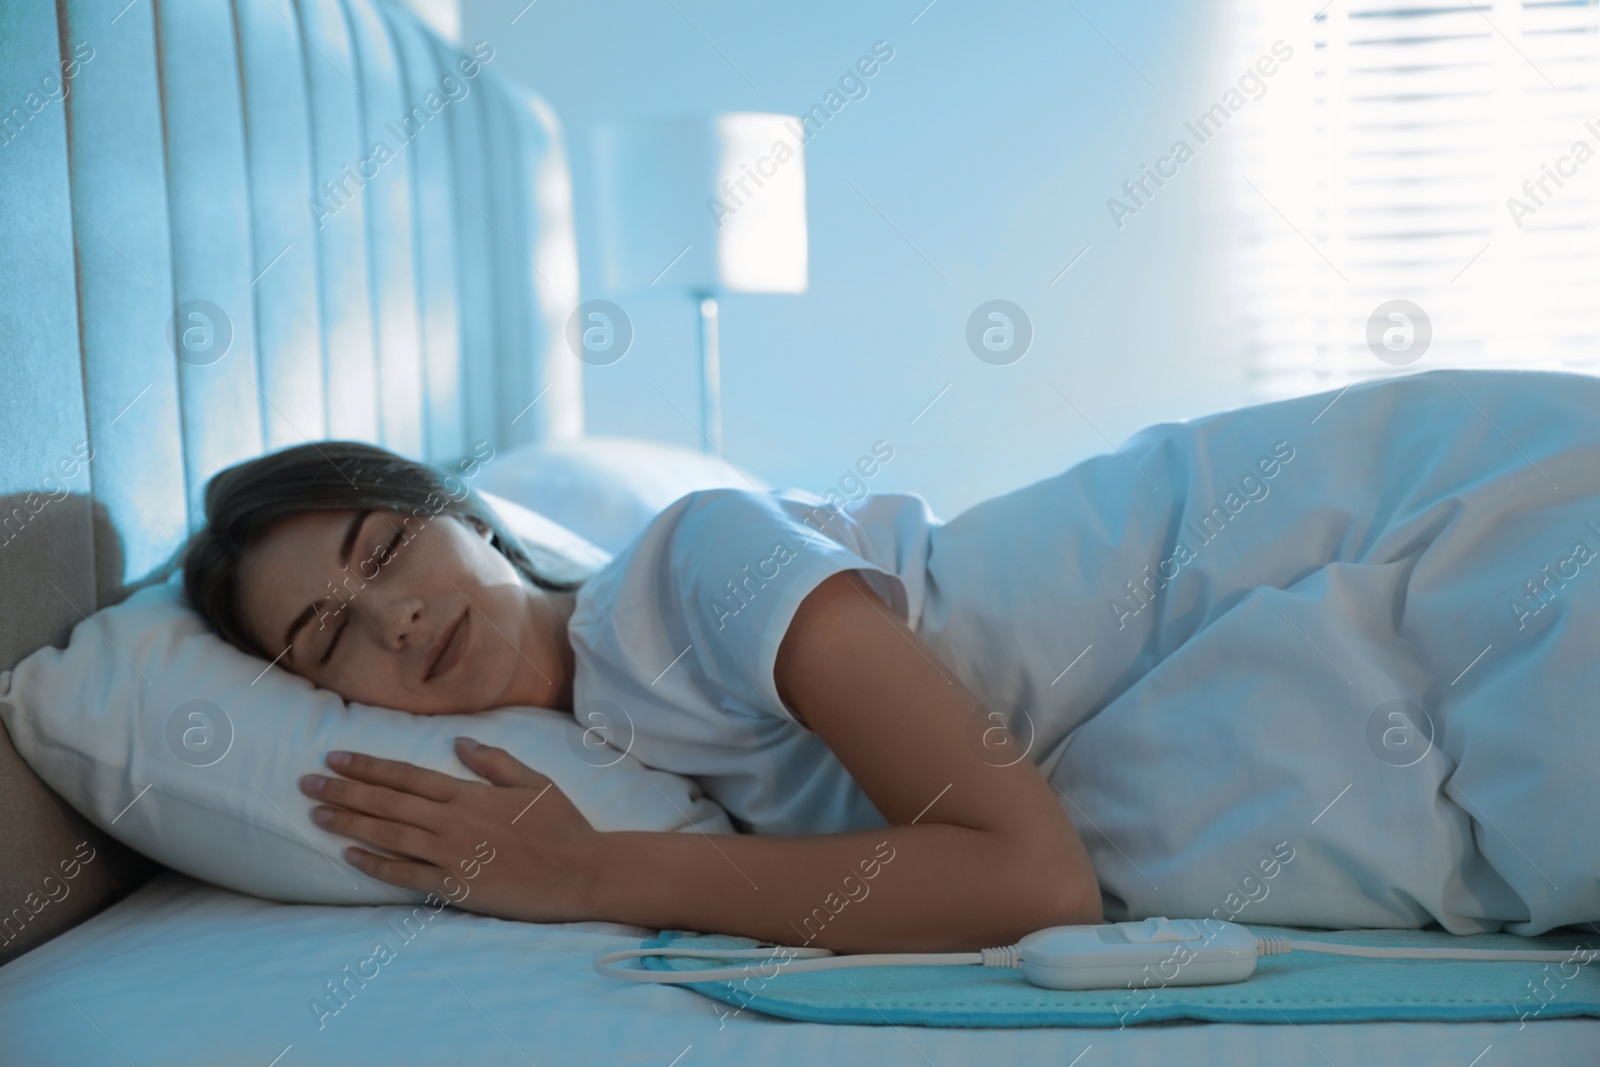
(365, 233)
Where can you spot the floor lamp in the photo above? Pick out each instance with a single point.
(702, 207)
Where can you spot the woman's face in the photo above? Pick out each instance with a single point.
(425, 616)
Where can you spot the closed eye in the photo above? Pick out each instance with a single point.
(388, 552)
(323, 662)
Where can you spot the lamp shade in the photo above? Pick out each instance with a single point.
(702, 204)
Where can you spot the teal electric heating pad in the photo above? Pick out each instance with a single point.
(1298, 987)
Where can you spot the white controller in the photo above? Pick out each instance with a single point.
(1149, 954)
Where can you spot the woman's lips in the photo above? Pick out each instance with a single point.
(453, 646)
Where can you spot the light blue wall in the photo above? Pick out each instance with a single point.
(991, 142)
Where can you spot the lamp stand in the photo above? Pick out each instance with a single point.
(710, 376)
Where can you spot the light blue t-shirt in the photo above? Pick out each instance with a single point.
(676, 638)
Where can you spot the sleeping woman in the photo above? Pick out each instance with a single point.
(392, 584)
(1352, 628)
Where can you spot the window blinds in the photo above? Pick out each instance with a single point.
(1442, 153)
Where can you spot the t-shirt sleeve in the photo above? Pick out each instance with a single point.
(741, 562)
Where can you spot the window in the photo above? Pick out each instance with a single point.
(1447, 154)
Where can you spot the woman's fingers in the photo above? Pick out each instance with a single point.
(497, 765)
(376, 800)
(406, 777)
(461, 839)
(394, 836)
(422, 877)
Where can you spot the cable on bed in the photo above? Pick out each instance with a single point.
(1077, 957)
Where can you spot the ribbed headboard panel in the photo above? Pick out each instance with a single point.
(284, 298)
(377, 226)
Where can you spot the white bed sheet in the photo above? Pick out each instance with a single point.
(184, 973)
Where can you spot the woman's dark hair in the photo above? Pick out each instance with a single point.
(244, 501)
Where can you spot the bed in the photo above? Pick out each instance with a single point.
(194, 158)
(236, 975)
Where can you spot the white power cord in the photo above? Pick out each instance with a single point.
(1275, 945)
(1155, 951)
(791, 960)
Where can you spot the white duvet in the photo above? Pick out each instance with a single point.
(1329, 661)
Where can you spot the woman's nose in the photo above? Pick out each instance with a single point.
(400, 620)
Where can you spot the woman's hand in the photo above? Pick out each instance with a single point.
(514, 847)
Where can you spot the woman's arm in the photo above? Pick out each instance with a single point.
(976, 855)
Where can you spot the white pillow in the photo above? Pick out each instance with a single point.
(607, 489)
(556, 551)
(107, 723)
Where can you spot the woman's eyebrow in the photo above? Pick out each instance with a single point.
(350, 535)
(345, 548)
